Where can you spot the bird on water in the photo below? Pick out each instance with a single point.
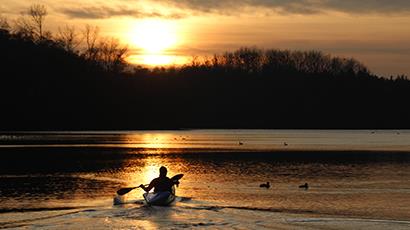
(267, 185)
(305, 186)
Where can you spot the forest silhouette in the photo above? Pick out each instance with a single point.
(80, 81)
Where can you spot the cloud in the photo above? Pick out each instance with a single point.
(102, 12)
(296, 6)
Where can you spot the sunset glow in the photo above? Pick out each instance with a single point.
(154, 38)
(152, 60)
(162, 33)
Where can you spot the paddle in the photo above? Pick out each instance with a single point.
(177, 177)
(124, 191)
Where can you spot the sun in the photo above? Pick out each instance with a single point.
(154, 36)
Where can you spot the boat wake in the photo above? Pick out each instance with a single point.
(312, 220)
(29, 221)
(120, 200)
(41, 209)
(186, 213)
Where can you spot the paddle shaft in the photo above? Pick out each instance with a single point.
(124, 191)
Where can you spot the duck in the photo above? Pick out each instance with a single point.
(267, 185)
(240, 143)
(305, 186)
(285, 144)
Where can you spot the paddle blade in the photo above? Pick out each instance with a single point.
(125, 190)
(177, 177)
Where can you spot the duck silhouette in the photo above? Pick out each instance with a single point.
(240, 143)
(305, 186)
(267, 185)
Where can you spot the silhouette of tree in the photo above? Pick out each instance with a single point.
(68, 38)
(31, 24)
(4, 24)
(248, 59)
(90, 34)
(38, 14)
(64, 85)
(111, 55)
(23, 28)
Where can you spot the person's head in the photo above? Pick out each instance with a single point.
(163, 171)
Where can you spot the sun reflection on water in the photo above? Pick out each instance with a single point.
(154, 143)
(145, 170)
(150, 172)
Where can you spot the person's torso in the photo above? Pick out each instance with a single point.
(163, 184)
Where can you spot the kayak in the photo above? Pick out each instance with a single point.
(160, 198)
(152, 198)
(163, 198)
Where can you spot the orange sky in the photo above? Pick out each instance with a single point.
(377, 32)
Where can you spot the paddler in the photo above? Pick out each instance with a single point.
(161, 183)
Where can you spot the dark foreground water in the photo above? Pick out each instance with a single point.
(67, 180)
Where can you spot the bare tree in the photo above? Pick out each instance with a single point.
(106, 52)
(248, 59)
(23, 27)
(68, 38)
(30, 25)
(4, 24)
(90, 35)
(195, 62)
(38, 13)
(111, 54)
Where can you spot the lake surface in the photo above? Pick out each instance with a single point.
(358, 179)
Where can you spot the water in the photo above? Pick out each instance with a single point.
(67, 180)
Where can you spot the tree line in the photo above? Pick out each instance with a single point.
(247, 61)
(104, 52)
(73, 80)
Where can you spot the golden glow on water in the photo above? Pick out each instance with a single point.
(353, 184)
(156, 141)
(146, 170)
(150, 171)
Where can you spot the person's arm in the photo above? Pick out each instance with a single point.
(150, 186)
